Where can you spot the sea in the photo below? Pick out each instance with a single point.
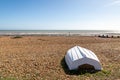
(60, 32)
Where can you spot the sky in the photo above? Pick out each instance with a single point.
(59, 14)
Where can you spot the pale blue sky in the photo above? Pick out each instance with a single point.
(60, 14)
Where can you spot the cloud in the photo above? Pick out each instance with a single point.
(114, 2)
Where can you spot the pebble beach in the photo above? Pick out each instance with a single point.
(42, 57)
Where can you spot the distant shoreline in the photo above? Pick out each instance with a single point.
(58, 33)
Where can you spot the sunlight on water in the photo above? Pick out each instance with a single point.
(60, 32)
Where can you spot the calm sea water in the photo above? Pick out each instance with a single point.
(58, 32)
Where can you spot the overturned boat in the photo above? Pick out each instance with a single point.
(78, 57)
